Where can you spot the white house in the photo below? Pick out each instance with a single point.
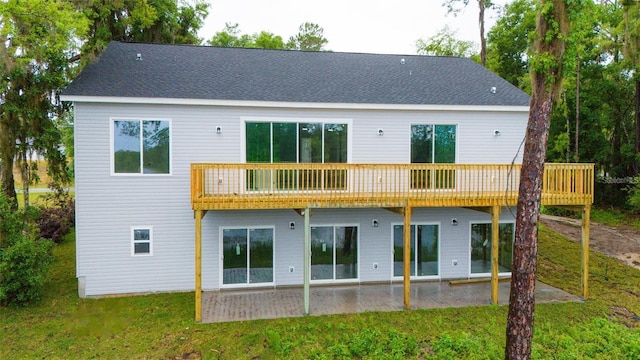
(212, 168)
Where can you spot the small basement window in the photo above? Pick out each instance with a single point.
(141, 239)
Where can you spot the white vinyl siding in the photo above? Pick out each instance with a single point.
(108, 206)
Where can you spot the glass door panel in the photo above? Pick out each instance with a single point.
(322, 253)
(234, 251)
(505, 252)
(481, 248)
(346, 252)
(260, 256)
(427, 243)
(398, 251)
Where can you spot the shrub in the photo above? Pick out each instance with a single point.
(57, 214)
(23, 269)
(633, 200)
(24, 257)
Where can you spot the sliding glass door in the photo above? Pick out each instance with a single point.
(481, 248)
(424, 250)
(334, 253)
(247, 256)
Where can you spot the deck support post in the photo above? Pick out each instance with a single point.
(406, 257)
(198, 280)
(306, 272)
(495, 244)
(586, 213)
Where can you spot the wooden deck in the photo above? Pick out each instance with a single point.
(298, 186)
(396, 187)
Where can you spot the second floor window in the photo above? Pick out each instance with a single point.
(433, 144)
(296, 142)
(141, 147)
(290, 142)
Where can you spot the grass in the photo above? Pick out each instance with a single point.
(161, 326)
(615, 217)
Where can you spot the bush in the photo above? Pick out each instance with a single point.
(634, 197)
(57, 214)
(23, 269)
(24, 257)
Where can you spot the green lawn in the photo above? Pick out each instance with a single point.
(161, 326)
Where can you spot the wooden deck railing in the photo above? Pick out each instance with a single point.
(293, 186)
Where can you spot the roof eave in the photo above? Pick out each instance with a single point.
(284, 104)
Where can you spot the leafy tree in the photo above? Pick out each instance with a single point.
(310, 37)
(445, 43)
(37, 39)
(267, 40)
(632, 58)
(151, 21)
(455, 6)
(508, 43)
(230, 36)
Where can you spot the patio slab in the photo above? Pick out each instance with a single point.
(241, 305)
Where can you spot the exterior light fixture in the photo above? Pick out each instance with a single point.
(496, 132)
(218, 130)
(374, 223)
(454, 222)
(380, 132)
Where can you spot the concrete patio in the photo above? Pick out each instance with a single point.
(241, 305)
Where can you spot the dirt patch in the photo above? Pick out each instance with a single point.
(625, 316)
(622, 242)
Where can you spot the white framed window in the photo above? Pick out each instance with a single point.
(140, 146)
(296, 141)
(433, 144)
(141, 241)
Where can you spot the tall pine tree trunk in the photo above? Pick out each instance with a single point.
(483, 41)
(546, 81)
(637, 122)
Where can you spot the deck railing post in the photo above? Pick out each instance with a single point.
(495, 243)
(198, 280)
(306, 272)
(586, 211)
(407, 257)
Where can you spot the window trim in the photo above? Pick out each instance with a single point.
(134, 241)
(112, 121)
(245, 119)
(417, 277)
(500, 222)
(221, 283)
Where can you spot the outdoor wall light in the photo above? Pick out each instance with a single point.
(496, 132)
(454, 222)
(218, 130)
(380, 132)
(292, 225)
(374, 223)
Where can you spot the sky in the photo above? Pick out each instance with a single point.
(369, 26)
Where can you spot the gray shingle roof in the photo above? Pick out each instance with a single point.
(202, 72)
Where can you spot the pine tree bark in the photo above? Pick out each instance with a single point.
(637, 126)
(483, 40)
(546, 81)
